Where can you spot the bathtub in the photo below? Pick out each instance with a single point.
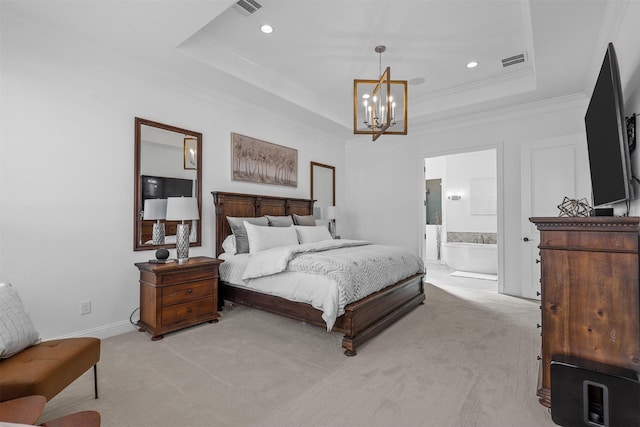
(472, 257)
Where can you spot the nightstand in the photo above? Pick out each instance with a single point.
(175, 296)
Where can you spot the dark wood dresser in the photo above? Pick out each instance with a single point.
(175, 296)
(590, 298)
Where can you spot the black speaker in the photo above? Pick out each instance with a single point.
(602, 212)
(587, 393)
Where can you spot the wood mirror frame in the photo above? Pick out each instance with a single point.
(323, 187)
(181, 167)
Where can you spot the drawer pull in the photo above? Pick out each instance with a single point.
(189, 310)
(189, 291)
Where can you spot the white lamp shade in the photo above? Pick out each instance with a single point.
(155, 208)
(332, 212)
(182, 208)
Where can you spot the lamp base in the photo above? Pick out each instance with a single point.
(332, 228)
(182, 243)
(157, 234)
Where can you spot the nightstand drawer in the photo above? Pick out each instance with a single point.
(183, 276)
(187, 292)
(188, 311)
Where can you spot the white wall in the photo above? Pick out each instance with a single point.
(66, 173)
(461, 171)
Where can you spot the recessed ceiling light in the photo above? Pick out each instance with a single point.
(267, 29)
(472, 64)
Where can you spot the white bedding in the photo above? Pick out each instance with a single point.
(318, 291)
(327, 275)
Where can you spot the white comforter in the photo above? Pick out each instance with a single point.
(354, 268)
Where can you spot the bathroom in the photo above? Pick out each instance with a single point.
(461, 231)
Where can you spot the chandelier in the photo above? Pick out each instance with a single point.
(380, 106)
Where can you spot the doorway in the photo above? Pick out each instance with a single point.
(461, 219)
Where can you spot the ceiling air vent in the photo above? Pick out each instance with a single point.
(513, 60)
(248, 6)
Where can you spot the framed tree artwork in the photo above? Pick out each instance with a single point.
(262, 162)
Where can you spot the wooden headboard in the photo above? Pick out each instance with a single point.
(253, 205)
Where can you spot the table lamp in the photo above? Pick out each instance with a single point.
(156, 209)
(332, 213)
(182, 209)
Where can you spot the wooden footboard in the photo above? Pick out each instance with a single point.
(366, 318)
(362, 320)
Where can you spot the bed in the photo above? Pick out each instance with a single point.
(362, 319)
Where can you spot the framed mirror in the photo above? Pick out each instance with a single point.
(323, 188)
(167, 163)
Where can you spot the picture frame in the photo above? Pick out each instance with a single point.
(190, 153)
(261, 162)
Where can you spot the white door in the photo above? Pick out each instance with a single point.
(551, 170)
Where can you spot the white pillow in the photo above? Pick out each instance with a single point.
(261, 238)
(17, 331)
(311, 234)
(229, 244)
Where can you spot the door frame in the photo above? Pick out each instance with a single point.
(438, 152)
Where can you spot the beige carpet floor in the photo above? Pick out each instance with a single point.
(467, 357)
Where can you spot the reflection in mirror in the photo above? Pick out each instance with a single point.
(168, 163)
(323, 188)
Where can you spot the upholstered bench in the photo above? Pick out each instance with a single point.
(31, 367)
(48, 367)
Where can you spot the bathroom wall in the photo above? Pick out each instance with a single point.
(469, 192)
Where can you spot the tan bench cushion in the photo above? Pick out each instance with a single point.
(47, 368)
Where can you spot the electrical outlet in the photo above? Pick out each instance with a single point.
(85, 307)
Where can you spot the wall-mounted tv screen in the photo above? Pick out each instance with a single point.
(606, 137)
(161, 187)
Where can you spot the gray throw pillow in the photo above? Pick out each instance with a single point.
(304, 219)
(238, 230)
(17, 330)
(280, 221)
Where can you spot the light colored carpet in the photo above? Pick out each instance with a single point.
(466, 357)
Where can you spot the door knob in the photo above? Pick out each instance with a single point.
(526, 239)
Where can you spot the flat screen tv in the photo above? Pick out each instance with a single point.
(161, 187)
(609, 159)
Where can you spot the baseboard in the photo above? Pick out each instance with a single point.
(104, 331)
